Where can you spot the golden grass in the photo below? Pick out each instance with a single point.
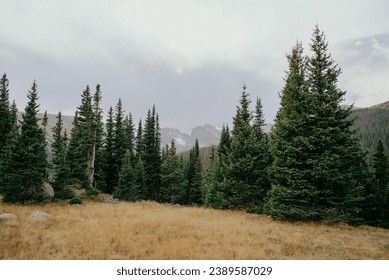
(148, 230)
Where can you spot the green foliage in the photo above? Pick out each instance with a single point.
(151, 155)
(213, 183)
(193, 194)
(127, 189)
(99, 182)
(75, 200)
(319, 168)
(24, 164)
(173, 183)
(239, 177)
(60, 165)
(5, 112)
(109, 153)
(378, 213)
(81, 141)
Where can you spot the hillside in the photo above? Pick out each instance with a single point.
(148, 230)
(373, 125)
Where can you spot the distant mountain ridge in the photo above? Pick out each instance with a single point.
(372, 124)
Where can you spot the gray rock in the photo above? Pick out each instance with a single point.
(39, 215)
(108, 198)
(48, 190)
(6, 216)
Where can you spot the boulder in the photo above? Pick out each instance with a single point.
(6, 216)
(107, 198)
(48, 190)
(39, 215)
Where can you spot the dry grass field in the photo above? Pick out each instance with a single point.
(149, 230)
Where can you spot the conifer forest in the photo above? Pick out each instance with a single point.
(312, 166)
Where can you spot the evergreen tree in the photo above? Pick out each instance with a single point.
(246, 175)
(339, 169)
(5, 112)
(127, 188)
(25, 165)
(80, 153)
(194, 176)
(319, 170)
(14, 115)
(379, 197)
(45, 121)
(151, 155)
(60, 165)
(139, 147)
(120, 142)
(109, 154)
(130, 133)
(73, 155)
(214, 185)
(262, 159)
(98, 135)
(139, 178)
(172, 177)
(291, 194)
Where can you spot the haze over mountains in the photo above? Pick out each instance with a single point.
(370, 121)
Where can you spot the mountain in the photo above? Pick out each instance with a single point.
(207, 135)
(372, 125)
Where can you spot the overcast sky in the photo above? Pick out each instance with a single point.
(189, 58)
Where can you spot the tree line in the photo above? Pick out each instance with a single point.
(310, 167)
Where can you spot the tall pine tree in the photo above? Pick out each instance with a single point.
(109, 154)
(6, 123)
(25, 165)
(379, 196)
(60, 165)
(319, 170)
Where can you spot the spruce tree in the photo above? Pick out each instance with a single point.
(59, 163)
(5, 112)
(172, 177)
(109, 154)
(25, 171)
(214, 185)
(246, 179)
(292, 195)
(80, 153)
(139, 147)
(319, 169)
(127, 188)
(74, 157)
(120, 142)
(151, 155)
(339, 169)
(130, 133)
(45, 121)
(194, 176)
(379, 196)
(139, 179)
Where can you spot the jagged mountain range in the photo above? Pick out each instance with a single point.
(208, 134)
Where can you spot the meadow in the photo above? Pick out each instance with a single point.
(148, 230)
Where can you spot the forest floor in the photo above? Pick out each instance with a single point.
(148, 230)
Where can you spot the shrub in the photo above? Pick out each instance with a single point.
(75, 200)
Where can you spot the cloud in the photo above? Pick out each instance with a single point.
(365, 69)
(190, 58)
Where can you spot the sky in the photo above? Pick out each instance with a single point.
(190, 58)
